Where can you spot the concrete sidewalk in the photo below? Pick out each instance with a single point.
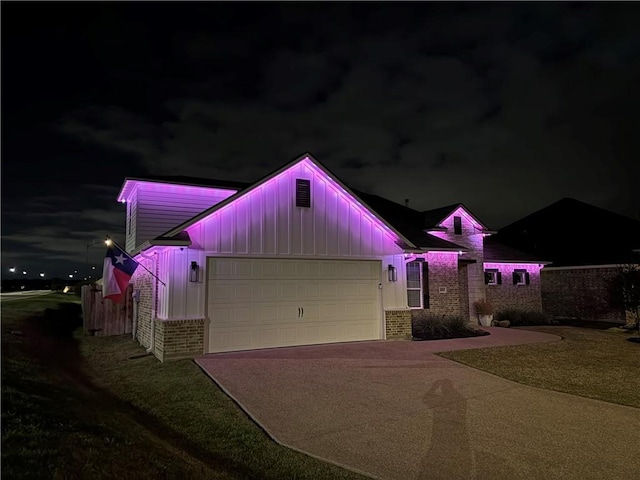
(394, 410)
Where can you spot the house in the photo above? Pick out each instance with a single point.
(299, 258)
(587, 246)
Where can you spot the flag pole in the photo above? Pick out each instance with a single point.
(109, 239)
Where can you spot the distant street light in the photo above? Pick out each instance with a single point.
(24, 272)
(42, 274)
(12, 269)
(71, 275)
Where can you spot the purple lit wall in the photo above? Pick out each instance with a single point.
(154, 208)
(471, 281)
(266, 221)
(508, 295)
(444, 290)
(471, 236)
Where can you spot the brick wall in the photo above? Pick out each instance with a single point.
(580, 293)
(508, 295)
(463, 288)
(471, 238)
(443, 274)
(397, 323)
(177, 339)
(143, 281)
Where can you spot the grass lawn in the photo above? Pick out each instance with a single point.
(79, 407)
(591, 363)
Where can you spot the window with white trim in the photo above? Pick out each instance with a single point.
(417, 284)
(414, 285)
(520, 277)
(492, 276)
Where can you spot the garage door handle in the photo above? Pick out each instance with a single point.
(299, 312)
(303, 311)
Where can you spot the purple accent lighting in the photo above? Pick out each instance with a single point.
(306, 166)
(217, 194)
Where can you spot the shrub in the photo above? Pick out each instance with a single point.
(483, 307)
(519, 318)
(428, 326)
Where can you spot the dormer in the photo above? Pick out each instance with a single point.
(155, 205)
(455, 223)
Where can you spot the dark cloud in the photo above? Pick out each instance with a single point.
(506, 107)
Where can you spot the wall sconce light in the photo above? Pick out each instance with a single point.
(194, 272)
(393, 273)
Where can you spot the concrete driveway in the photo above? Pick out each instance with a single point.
(394, 410)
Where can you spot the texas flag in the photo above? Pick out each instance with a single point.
(117, 271)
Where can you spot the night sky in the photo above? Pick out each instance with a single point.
(506, 107)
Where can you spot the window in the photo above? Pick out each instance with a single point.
(520, 277)
(303, 193)
(457, 225)
(418, 284)
(492, 277)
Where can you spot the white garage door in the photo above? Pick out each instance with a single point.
(262, 303)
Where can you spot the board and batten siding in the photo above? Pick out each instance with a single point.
(394, 294)
(156, 208)
(266, 222)
(180, 298)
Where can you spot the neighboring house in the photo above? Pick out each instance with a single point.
(298, 258)
(587, 245)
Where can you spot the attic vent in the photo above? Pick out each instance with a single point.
(457, 225)
(303, 193)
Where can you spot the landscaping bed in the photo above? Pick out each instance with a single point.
(427, 326)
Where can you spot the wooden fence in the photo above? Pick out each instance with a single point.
(103, 317)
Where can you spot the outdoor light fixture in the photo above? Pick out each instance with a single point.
(393, 273)
(71, 275)
(12, 269)
(108, 241)
(42, 274)
(24, 272)
(194, 272)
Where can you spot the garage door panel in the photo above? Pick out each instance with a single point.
(328, 291)
(256, 303)
(311, 333)
(287, 336)
(268, 291)
(267, 337)
(220, 292)
(241, 315)
(329, 333)
(242, 292)
(243, 269)
(311, 290)
(266, 313)
(241, 337)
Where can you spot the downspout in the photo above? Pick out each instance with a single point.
(152, 342)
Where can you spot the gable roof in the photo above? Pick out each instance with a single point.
(571, 233)
(405, 222)
(402, 240)
(432, 218)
